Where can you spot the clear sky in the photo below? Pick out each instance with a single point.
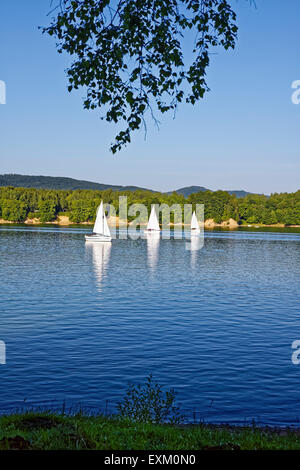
(244, 135)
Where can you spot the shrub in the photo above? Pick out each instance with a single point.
(149, 404)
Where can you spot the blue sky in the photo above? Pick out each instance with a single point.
(243, 135)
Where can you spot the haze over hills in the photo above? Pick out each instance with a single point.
(59, 182)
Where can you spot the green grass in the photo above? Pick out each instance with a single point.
(46, 431)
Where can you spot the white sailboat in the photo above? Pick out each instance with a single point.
(101, 232)
(195, 229)
(153, 225)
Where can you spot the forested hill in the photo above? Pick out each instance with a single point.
(196, 189)
(189, 190)
(69, 184)
(58, 182)
(19, 204)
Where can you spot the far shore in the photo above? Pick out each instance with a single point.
(64, 220)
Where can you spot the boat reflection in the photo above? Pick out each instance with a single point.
(101, 256)
(194, 244)
(153, 239)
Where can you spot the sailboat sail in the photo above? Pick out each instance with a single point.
(106, 230)
(101, 232)
(101, 226)
(153, 222)
(194, 223)
(98, 227)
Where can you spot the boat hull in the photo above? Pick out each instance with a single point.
(97, 238)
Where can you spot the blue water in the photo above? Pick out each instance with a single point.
(80, 322)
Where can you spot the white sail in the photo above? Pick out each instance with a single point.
(106, 230)
(101, 226)
(194, 224)
(98, 227)
(153, 222)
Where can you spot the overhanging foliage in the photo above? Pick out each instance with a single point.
(129, 54)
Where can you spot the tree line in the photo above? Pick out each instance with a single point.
(19, 204)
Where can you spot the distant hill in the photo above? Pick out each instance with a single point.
(189, 190)
(196, 189)
(239, 193)
(58, 182)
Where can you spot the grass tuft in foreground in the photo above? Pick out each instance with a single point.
(46, 431)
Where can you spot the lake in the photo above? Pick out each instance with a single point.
(82, 321)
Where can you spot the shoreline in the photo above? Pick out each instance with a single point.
(46, 430)
(65, 221)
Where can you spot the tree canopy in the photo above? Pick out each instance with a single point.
(18, 204)
(133, 58)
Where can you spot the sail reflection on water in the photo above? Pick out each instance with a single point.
(194, 244)
(153, 239)
(101, 256)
